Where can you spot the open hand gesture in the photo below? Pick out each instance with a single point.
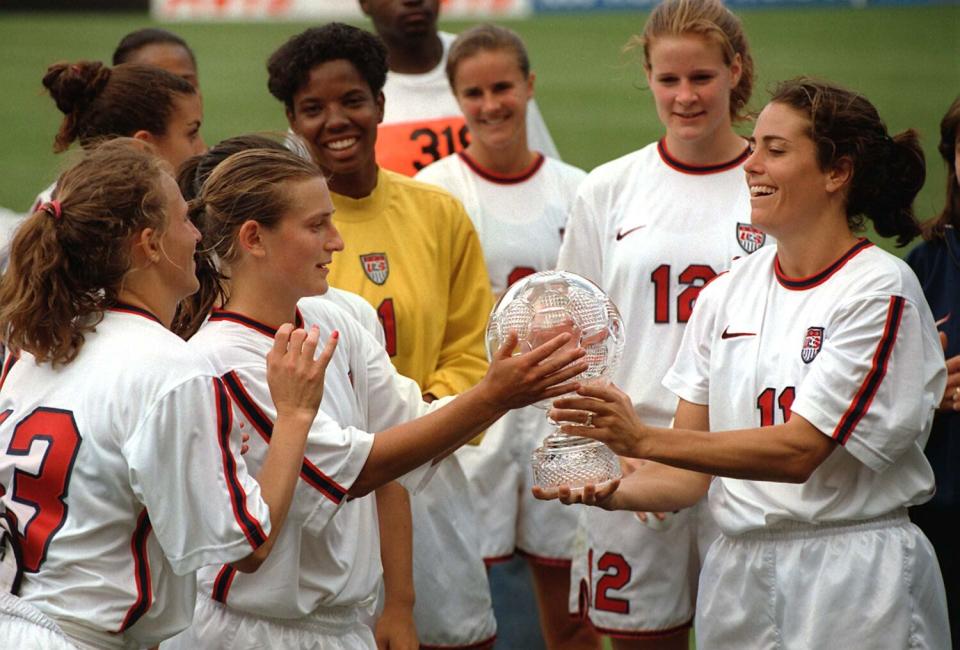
(294, 376)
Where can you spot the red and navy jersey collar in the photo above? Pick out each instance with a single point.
(811, 281)
(126, 308)
(685, 168)
(236, 317)
(501, 179)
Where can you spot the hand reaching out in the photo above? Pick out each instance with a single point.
(605, 413)
(603, 495)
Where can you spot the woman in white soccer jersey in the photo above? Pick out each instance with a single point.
(267, 215)
(119, 476)
(518, 200)
(808, 379)
(651, 228)
(412, 252)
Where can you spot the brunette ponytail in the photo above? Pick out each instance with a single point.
(99, 102)
(888, 172)
(69, 258)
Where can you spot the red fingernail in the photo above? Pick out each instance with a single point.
(336, 334)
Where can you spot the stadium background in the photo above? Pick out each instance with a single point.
(903, 55)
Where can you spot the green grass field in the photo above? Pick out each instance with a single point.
(906, 60)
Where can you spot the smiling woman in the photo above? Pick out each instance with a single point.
(518, 200)
(652, 228)
(807, 381)
(411, 251)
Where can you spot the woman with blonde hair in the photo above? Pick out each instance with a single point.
(266, 218)
(652, 228)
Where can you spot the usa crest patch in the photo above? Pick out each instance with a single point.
(812, 342)
(750, 238)
(376, 267)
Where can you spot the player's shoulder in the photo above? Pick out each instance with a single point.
(425, 201)
(613, 172)
(143, 356)
(563, 170)
(749, 269)
(227, 343)
(417, 190)
(875, 269)
(336, 309)
(441, 172)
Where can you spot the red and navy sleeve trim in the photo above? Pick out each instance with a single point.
(868, 390)
(699, 170)
(141, 571)
(238, 498)
(125, 308)
(264, 426)
(236, 317)
(503, 179)
(811, 281)
(7, 366)
(223, 582)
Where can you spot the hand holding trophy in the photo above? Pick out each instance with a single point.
(538, 308)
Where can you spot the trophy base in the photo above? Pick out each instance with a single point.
(573, 461)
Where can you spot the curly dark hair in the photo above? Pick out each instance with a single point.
(289, 67)
(888, 171)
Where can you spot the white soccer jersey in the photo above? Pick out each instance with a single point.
(852, 349)
(319, 560)
(651, 231)
(123, 478)
(422, 122)
(520, 219)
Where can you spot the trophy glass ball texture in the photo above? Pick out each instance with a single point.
(538, 308)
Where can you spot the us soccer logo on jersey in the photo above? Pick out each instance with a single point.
(812, 342)
(375, 266)
(750, 238)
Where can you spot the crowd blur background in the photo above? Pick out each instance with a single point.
(904, 55)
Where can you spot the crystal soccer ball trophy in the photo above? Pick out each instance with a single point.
(538, 308)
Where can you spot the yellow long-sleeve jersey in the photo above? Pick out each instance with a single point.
(411, 252)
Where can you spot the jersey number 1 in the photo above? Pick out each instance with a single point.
(43, 492)
(388, 319)
(767, 402)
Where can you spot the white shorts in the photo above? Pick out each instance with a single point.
(501, 480)
(25, 627)
(217, 627)
(453, 606)
(873, 584)
(632, 580)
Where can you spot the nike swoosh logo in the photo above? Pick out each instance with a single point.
(621, 234)
(727, 334)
